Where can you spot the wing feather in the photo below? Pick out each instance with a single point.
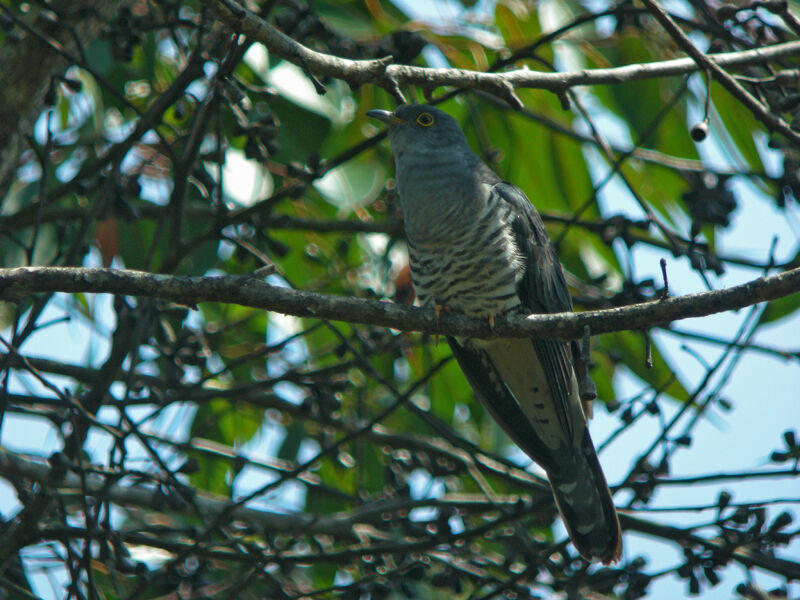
(543, 288)
(491, 390)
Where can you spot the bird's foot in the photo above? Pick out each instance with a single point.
(437, 311)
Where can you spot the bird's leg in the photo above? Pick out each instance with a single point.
(491, 320)
(582, 357)
(437, 311)
(586, 347)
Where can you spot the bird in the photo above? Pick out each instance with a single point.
(478, 247)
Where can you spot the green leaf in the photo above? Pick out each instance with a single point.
(448, 385)
(226, 422)
(739, 128)
(7, 312)
(203, 256)
(135, 238)
(517, 137)
(671, 134)
(108, 583)
(338, 478)
(780, 308)
(212, 475)
(98, 56)
(301, 133)
(519, 25)
(295, 434)
(628, 348)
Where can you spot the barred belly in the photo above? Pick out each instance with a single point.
(470, 266)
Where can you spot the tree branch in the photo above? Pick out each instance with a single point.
(147, 496)
(745, 556)
(380, 72)
(705, 62)
(30, 63)
(341, 523)
(251, 291)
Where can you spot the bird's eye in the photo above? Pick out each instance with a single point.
(425, 119)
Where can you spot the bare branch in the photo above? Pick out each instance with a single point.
(144, 496)
(251, 291)
(743, 555)
(759, 111)
(381, 72)
(147, 496)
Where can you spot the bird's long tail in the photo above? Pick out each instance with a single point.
(585, 504)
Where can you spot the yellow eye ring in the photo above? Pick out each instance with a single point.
(425, 119)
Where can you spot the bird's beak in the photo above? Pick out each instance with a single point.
(387, 117)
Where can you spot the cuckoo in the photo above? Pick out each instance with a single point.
(477, 246)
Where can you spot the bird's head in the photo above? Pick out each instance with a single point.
(420, 127)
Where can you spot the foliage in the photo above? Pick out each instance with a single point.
(218, 451)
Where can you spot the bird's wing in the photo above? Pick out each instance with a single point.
(528, 384)
(543, 288)
(494, 370)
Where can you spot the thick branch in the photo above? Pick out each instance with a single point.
(380, 72)
(254, 292)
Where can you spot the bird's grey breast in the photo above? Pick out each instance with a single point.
(461, 246)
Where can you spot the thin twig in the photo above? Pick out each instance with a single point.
(710, 64)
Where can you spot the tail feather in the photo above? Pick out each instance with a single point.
(565, 451)
(586, 507)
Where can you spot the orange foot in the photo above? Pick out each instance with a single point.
(437, 310)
